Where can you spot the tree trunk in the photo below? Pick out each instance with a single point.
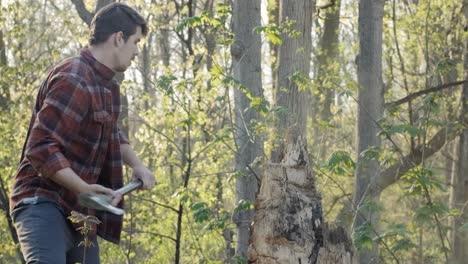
(327, 75)
(288, 225)
(370, 110)
(246, 56)
(273, 18)
(459, 182)
(327, 58)
(293, 63)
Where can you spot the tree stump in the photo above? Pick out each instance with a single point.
(288, 225)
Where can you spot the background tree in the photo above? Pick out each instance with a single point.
(248, 93)
(370, 110)
(459, 182)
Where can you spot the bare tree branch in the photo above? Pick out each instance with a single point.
(101, 3)
(393, 173)
(150, 233)
(85, 15)
(423, 92)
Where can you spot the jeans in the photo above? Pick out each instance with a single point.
(46, 236)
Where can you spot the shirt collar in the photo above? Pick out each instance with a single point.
(105, 72)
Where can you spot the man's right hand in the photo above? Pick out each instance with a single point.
(70, 180)
(99, 189)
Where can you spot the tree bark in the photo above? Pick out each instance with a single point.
(4, 90)
(246, 56)
(370, 110)
(327, 58)
(293, 57)
(459, 182)
(288, 225)
(327, 73)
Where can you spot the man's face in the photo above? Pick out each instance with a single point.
(128, 51)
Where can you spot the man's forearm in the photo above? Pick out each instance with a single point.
(129, 157)
(139, 171)
(70, 180)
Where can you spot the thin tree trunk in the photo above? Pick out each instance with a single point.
(246, 59)
(327, 75)
(327, 58)
(273, 18)
(5, 90)
(459, 183)
(370, 110)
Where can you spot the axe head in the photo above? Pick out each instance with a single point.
(99, 202)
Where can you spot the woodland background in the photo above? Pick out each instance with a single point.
(372, 92)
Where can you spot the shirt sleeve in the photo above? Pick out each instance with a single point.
(65, 105)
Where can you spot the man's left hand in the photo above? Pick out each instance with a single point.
(145, 175)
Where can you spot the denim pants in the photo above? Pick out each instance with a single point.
(46, 236)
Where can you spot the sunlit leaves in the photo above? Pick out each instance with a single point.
(244, 205)
(419, 179)
(201, 211)
(272, 33)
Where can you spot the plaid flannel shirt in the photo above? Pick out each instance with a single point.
(74, 124)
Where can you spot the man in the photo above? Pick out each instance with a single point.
(74, 145)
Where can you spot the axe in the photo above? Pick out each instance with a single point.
(102, 202)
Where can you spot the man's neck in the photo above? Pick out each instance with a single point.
(102, 54)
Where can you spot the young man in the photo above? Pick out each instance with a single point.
(74, 145)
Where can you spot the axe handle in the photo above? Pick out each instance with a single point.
(133, 185)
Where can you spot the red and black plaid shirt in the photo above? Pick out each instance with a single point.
(74, 124)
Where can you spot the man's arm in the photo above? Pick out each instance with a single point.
(61, 114)
(70, 180)
(139, 170)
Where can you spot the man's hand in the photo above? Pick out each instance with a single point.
(68, 178)
(145, 175)
(99, 189)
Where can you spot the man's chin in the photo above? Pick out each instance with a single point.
(121, 69)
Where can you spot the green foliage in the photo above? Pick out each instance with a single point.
(272, 33)
(340, 162)
(408, 129)
(244, 205)
(419, 179)
(396, 235)
(201, 212)
(363, 236)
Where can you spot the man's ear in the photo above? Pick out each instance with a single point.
(119, 38)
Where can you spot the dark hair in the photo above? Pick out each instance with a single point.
(113, 18)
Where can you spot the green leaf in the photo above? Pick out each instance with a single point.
(339, 162)
(372, 153)
(402, 129)
(201, 212)
(362, 237)
(402, 244)
(192, 22)
(244, 205)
